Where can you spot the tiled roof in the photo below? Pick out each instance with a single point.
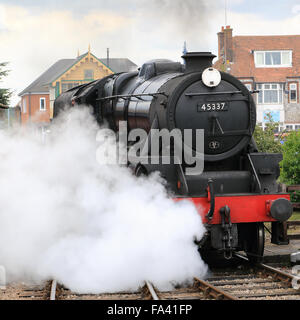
(41, 84)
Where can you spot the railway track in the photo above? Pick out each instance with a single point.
(147, 292)
(253, 282)
(248, 282)
(23, 291)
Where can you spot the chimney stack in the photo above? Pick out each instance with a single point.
(225, 49)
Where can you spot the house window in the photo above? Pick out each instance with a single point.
(288, 127)
(65, 86)
(293, 92)
(297, 127)
(42, 104)
(265, 59)
(88, 74)
(276, 129)
(269, 93)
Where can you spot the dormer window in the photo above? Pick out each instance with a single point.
(272, 59)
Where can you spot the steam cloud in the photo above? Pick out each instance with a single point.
(93, 228)
(191, 18)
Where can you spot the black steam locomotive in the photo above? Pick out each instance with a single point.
(237, 190)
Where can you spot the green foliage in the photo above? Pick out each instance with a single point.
(295, 216)
(295, 196)
(265, 139)
(290, 165)
(5, 94)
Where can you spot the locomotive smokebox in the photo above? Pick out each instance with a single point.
(197, 61)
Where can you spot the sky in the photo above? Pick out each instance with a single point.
(34, 34)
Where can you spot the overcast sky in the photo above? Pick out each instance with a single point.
(34, 34)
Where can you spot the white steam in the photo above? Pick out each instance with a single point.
(93, 228)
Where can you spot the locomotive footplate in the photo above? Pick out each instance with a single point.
(224, 237)
(244, 208)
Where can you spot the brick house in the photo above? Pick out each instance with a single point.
(37, 99)
(270, 64)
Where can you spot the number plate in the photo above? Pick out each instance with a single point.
(213, 106)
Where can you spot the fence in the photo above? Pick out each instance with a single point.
(296, 205)
(293, 224)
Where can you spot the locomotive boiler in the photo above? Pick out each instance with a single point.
(237, 191)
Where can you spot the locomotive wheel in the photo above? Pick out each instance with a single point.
(255, 242)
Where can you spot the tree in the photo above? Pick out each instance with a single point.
(290, 165)
(265, 139)
(5, 94)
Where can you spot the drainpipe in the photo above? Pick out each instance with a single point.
(107, 57)
(29, 107)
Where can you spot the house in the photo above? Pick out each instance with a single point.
(270, 64)
(38, 98)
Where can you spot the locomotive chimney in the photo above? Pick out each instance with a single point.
(197, 61)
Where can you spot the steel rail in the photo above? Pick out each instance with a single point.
(151, 290)
(53, 290)
(278, 274)
(211, 291)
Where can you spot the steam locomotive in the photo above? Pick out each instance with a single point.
(237, 190)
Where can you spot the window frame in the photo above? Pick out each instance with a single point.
(69, 85)
(292, 127)
(280, 87)
(45, 107)
(264, 65)
(290, 91)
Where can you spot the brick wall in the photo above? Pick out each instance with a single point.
(243, 57)
(240, 52)
(33, 111)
